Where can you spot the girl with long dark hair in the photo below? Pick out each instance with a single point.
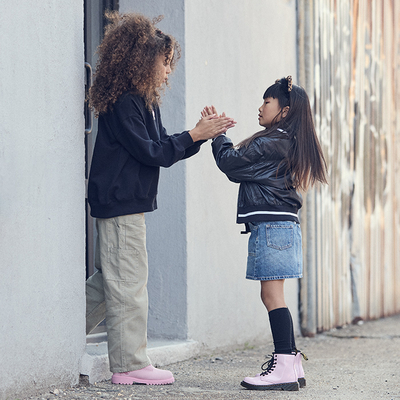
(273, 166)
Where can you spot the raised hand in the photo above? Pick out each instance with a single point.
(211, 110)
(210, 126)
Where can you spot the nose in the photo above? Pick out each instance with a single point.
(168, 71)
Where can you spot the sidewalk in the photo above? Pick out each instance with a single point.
(356, 362)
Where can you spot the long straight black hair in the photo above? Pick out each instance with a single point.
(305, 159)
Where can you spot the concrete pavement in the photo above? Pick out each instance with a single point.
(355, 362)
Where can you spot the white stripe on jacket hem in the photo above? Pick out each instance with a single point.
(267, 212)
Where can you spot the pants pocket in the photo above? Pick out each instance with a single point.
(279, 236)
(124, 265)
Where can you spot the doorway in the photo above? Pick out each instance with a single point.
(94, 24)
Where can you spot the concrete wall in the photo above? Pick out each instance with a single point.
(41, 195)
(231, 52)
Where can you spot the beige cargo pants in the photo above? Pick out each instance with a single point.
(118, 290)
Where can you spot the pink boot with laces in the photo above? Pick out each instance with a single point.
(280, 374)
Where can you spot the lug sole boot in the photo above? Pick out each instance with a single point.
(279, 375)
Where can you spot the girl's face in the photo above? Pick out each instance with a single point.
(269, 110)
(163, 67)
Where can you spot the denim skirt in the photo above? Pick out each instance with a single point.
(275, 251)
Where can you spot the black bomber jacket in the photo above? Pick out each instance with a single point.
(131, 146)
(266, 192)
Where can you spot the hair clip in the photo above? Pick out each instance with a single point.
(289, 83)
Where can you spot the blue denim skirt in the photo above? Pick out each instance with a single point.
(275, 251)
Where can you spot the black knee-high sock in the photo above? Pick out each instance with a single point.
(292, 332)
(281, 323)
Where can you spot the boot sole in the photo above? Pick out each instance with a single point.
(135, 381)
(302, 382)
(290, 386)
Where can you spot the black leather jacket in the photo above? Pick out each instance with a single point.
(264, 193)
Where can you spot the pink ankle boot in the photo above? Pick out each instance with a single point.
(299, 368)
(145, 376)
(279, 375)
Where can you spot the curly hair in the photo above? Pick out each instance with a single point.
(127, 60)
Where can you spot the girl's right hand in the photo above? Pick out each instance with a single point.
(210, 126)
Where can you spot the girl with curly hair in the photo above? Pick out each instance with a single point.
(273, 166)
(135, 59)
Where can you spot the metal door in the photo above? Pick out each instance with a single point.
(94, 23)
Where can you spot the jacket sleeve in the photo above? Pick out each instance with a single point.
(160, 150)
(190, 151)
(239, 165)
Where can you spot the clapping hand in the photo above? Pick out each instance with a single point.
(211, 110)
(211, 125)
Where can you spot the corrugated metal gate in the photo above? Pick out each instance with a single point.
(349, 63)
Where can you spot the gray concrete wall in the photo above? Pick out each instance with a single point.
(42, 239)
(231, 52)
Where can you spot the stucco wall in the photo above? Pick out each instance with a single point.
(41, 195)
(233, 51)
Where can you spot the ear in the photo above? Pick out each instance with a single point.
(285, 110)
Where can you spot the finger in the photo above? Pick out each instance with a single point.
(209, 117)
(227, 119)
(221, 128)
(214, 110)
(224, 121)
(214, 116)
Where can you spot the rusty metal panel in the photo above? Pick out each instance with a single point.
(349, 64)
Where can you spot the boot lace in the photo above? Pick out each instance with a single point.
(303, 355)
(268, 366)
